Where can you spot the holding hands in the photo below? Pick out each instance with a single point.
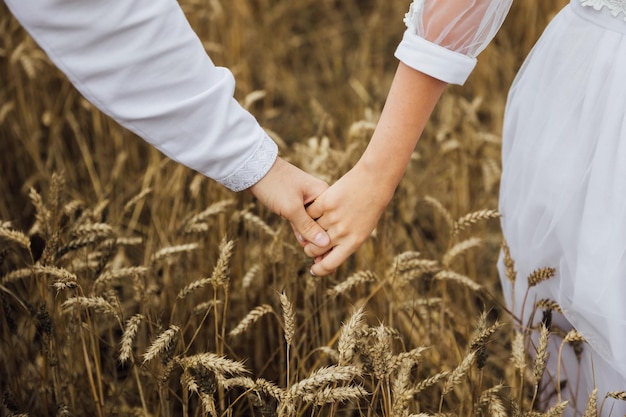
(337, 220)
(286, 190)
(350, 209)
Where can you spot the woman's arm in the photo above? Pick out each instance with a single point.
(439, 46)
(351, 208)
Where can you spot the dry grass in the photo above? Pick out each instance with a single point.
(130, 285)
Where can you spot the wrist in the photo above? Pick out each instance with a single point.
(380, 176)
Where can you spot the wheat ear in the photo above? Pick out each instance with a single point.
(161, 344)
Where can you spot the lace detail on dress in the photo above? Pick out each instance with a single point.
(411, 18)
(254, 169)
(616, 7)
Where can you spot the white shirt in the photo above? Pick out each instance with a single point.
(141, 63)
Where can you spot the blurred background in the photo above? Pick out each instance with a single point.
(84, 197)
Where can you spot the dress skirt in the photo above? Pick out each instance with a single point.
(563, 196)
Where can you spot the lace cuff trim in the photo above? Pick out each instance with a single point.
(255, 167)
(616, 7)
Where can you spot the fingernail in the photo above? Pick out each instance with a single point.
(321, 239)
(312, 273)
(300, 238)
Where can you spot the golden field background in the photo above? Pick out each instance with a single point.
(131, 285)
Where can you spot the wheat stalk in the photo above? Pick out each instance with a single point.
(119, 274)
(430, 381)
(380, 353)
(220, 271)
(413, 355)
(328, 395)
(219, 365)
(319, 378)
(518, 352)
(422, 303)
(246, 281)
(189, 382)
(549, 305)
(289, 318)
(130, 331)
(206, 305)
(402, 393)
(173, 250)
(161, 344)
(252, 317)
(557, 410)
(98, 304)
(212, 210)
(459, 249)
(541, 357)
(17, 275)
(573, 336)
(591, 410)
(490, 400)
(258, 223)
(269, 388)
(436, 204)
(239, 381)
(352, 281)
(42, 215)
(208, 404)
(509, 263)
(539, 275)
(197, 284)
(459, 373)
(618, 395)
(96, 230)
(351, 332)
(473, 218)
(481, 338)
(133, 201)
(78, 243)
(126, 241)
(16, 237)
(458, 278)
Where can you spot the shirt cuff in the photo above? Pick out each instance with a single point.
(254, 168)
(435, 60)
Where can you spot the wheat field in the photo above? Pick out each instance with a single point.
(133, 286)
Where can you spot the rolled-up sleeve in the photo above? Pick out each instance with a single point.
(141, 63)
(443, 38)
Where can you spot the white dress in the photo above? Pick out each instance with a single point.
(141, 63)
(563, 187)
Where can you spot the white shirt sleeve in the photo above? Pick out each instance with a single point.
(141, 63)
(443, 38)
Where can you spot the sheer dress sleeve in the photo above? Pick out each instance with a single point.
(443, 38)
(141, 63)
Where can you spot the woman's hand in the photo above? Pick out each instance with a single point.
(349, 210)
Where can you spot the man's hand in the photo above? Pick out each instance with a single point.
(285, 190)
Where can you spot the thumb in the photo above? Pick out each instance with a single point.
(309, 229)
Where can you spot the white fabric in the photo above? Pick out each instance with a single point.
(443, 38)
(563, 188)
(141, 63)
